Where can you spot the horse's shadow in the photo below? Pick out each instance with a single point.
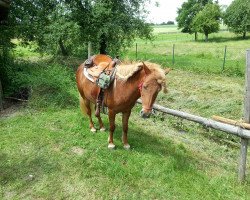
(143, 142)
(25, 169)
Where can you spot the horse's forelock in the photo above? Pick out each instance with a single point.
(158, 73)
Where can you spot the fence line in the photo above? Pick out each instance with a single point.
(226, 59)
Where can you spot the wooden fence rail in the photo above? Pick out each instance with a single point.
(231, 129)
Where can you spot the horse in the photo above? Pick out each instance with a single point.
(132, 81)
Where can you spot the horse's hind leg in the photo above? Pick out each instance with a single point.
(86, 107)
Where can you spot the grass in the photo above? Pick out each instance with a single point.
(51, 154)
(48, 152)
(194, 56)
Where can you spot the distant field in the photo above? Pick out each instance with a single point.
(173, 28)
(179, 50)
(165, 28)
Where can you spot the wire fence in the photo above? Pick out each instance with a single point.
(210, 58)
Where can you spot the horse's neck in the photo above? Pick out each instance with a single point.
(131, 86)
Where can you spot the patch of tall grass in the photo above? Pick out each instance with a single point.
(49, 83)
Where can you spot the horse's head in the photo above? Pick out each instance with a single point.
(151, 85)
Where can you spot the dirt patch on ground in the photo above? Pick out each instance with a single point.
(77, 150)
(11, 108)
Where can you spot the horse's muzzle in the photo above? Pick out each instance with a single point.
(145, 114)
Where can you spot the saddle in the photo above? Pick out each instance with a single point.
(100, 69)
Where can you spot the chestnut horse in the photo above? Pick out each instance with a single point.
(131, 82)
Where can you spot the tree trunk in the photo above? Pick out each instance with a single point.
(195, 36)
(244, 35)
(1, 96)
(103, 44)
(206, 37)
(62, 47)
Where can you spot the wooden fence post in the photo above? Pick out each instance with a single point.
(173, 61)
(89, 49)
(136, 51)
(244, 141)
(224, 61)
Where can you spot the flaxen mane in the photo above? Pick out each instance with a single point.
(124, 72)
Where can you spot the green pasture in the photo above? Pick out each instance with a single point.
(48, 152)
(180, 51)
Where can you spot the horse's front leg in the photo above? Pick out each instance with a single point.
(125, 117)
(102, 128)
(111, 129)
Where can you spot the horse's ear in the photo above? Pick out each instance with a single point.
(146, 69)
(167, 70)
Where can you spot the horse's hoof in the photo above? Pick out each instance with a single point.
(102, 129)
(93, 130)
(111, 146)
(126, 146)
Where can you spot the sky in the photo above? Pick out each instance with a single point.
(167, 10)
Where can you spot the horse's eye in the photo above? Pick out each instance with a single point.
(145, 87)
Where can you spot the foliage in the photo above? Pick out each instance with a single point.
(6, 60)
(110, 25)
(208, 20)
(48, 24)
(237, 16)
(168, 23)
(62, 34)
(187, 13)
(65, 26)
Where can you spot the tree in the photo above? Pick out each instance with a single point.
(64, 25)
(170, 23)
(4, 11)
(48, 23)
(208, 20)
(110, 24)
(186, 14)
(237, 17)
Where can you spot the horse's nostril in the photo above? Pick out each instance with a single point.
(153, 112)
(145, 115)
(141, 113)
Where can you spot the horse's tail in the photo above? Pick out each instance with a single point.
(86, 106)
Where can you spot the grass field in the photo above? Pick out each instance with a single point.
(48, 152)
(191, 55)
